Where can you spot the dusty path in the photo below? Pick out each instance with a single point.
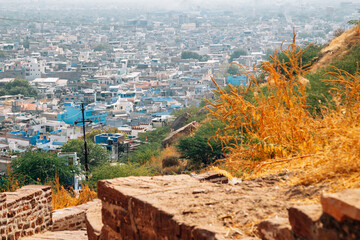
(61, 235)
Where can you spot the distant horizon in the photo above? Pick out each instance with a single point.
(171, 4)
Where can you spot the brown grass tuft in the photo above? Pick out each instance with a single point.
(62, 198)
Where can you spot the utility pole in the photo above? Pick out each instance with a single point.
(85, 144)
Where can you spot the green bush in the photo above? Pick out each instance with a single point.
(196, 147)
(349, 61)
(96, 154)
(155, 136)
(42, 166)
(19, 86)
(143, 153)
(106, 171)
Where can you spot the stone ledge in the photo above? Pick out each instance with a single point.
(342, 205)
(93, 221)
(305, 219)
(152, 208)
(276, 228)
(71, 218)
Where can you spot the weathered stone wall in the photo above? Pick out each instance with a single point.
(25, 212)
(71, 218)
(133, 210)
(337, 218)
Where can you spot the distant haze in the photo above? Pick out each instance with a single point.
(169, 4)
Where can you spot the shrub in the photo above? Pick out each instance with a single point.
(40, 167)
(107, 171)
(198, 148)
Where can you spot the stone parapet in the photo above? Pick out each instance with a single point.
(71, 218)
(152, 208)
(25, 212)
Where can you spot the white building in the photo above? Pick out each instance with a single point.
(33, 69)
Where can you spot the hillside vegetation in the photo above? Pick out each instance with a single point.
(274, 128)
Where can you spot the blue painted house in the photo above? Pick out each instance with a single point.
(239, 80)
(73, 114)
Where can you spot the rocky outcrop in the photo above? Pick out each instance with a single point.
(304, 220)
(173, 136)
(25, 212)
(342, 205)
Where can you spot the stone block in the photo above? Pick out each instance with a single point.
(342, 205)
(276, 228)
(305, 220)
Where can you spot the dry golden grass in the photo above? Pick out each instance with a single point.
(166, 153)
(274, 132)
(62, 198)
(13, 181)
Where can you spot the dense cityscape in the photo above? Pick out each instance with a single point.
(133, 70)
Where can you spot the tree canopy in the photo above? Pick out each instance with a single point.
(194, 55)
(237, 53)
(18, 86)
(41, 167)
(96, 153)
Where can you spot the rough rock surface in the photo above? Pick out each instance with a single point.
(342, 205)
(71, 218)
(181, 207)
(62, 235)
(276, 229)
(94, 221)
(305, 219)
(25, 212)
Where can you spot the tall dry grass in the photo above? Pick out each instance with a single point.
(62, 198)
(273, 130)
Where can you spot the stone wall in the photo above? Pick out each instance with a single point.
(337, 217)
(71, 218)
(137, 208)
(25, 212)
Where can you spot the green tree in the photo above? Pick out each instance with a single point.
(3, 54)
(194, 55)
(237, 53)
(102, 47)
(197, 148)
(96, 154)
(42, 166)
(106, 171)
(234, 69)
(19, 86)
(26, 43)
